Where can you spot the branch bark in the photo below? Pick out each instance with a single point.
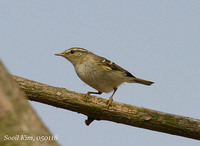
(96, 108)
(19, 125)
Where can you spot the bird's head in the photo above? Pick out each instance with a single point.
(75, 55)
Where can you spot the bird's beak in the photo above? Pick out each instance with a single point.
(61, 54)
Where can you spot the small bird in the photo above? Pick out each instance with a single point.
(99, 72)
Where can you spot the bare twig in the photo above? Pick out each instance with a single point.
(96, 108)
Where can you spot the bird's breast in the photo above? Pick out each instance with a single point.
(94, 77)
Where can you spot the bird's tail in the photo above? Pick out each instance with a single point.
(141, 81)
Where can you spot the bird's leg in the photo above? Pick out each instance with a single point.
(109, 102)
(88, 94)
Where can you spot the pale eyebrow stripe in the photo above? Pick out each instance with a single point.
(77, 50)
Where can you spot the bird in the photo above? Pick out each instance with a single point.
(98, 72)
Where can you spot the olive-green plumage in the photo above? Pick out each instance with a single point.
(98, 72)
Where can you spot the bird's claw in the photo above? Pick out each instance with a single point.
(87, 96)
(109, 102)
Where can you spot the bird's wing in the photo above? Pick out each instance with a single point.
(109, 65)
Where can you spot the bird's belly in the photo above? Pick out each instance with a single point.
(97, 80)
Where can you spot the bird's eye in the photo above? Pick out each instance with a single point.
(72, 51)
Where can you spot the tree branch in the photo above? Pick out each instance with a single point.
(19, 124)
(96, 108)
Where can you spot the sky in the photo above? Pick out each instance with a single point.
(154, 40)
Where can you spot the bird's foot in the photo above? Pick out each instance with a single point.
(109, 102)
(87, 96)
